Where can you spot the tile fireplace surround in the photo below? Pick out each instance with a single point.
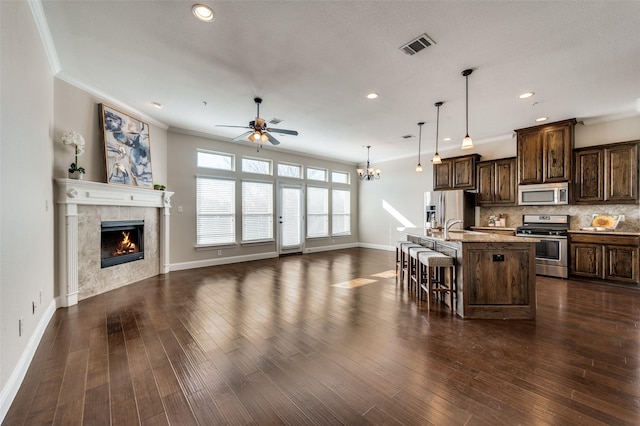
(82, 205)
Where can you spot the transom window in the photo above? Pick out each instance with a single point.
(216, 160)
(289, 170)
(340, 177)
(316, 174)
(256, 165)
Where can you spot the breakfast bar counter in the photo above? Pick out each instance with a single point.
(495, 274)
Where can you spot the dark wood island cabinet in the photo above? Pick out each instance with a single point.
(495, 274)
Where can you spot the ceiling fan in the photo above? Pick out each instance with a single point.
(259, 132)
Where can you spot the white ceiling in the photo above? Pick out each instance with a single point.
(313, 62)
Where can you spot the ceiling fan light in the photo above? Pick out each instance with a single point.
(264, 138)
(436, 159)
(467, 142)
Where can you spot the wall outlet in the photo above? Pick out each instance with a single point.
(40, 297)
(219, 252)
(621, 218)
(20, 327)
(180, 209)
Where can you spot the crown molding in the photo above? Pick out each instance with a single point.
(607, 118)
(45, 35)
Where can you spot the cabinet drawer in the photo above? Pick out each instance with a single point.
(622, 240)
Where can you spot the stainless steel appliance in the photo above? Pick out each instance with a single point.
(552, 252)
(440, 206)
(543, 194)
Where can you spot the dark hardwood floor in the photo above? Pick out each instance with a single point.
(320, 339)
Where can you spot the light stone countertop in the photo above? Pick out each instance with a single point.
(493, 228)
(457, 235)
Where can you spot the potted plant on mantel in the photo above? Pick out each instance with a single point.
(74, 138)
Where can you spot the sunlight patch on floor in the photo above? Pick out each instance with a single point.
(391, 273)
(357, 282)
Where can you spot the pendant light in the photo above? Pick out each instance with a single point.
(436, 158)
(467, 142)
(419, 166)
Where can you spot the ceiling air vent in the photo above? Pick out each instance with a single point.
(418, 44)
(275, 121)
(407, 136)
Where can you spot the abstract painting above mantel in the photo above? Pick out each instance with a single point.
(127, 148)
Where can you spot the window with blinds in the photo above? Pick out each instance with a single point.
(257, 211)
(317, 212)
(340, 212)
(216, 209)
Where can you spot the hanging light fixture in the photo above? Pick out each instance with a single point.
(419, 166)
(436, 157)
(467, 142)
(369, 173)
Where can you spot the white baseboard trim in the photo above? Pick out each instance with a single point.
(377, 246)
(10, 390)
(222, 261)
(330, 248)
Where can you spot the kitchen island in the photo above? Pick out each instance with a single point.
(495, 274)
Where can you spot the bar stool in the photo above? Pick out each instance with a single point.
(429, 263)
(413, 270)
(399, 252)
(404, 258)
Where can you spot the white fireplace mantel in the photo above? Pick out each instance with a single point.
(71, 194)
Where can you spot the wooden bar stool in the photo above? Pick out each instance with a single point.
(399, 252)
(413, 269)
(429, 264)
(404, 258)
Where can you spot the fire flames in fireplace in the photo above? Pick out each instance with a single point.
(125, 246)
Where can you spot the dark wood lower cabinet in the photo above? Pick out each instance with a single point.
(608, 257)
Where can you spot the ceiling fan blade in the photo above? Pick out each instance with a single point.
(238, 127)
(283, 131)
(273, 140)
(242, 136)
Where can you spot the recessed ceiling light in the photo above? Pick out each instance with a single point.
(203, 12)
(372, 95)
(446, 139)
(157, 105)
(526, 95)
(542, 119)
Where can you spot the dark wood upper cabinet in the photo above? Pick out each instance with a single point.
(496, 182)
(607, 174)
(455, 173)
(544, 153)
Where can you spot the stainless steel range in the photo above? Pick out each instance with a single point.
(552, 252)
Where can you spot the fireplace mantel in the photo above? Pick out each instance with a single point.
(71, 194)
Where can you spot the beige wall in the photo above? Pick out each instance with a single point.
(403, 189)
(76, 109)
(26, 190)
(182, 149)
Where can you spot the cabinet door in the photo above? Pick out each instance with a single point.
(589, 176)
(490, 281)
(586, 260)
(442, 175)
(622, 170)
(505, 182)
(621, 263)
(529, 157)
(486, 184)
(558, 143)
(464, 173)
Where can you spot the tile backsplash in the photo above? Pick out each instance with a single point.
(580, 215)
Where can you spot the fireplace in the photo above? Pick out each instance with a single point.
(121, 242)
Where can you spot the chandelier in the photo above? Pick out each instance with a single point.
(369, 173)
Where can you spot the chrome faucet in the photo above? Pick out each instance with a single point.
(448, 224)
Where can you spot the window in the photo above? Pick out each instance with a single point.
(316, 174)
(216, 209)
(339, 177)
(215, 160)
(340, 212)
(289, 170)
(257, 211)
(254, 165)
(317, 212)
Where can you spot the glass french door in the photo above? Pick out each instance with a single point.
(290, 218)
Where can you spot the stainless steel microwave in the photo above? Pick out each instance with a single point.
(544, 194)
